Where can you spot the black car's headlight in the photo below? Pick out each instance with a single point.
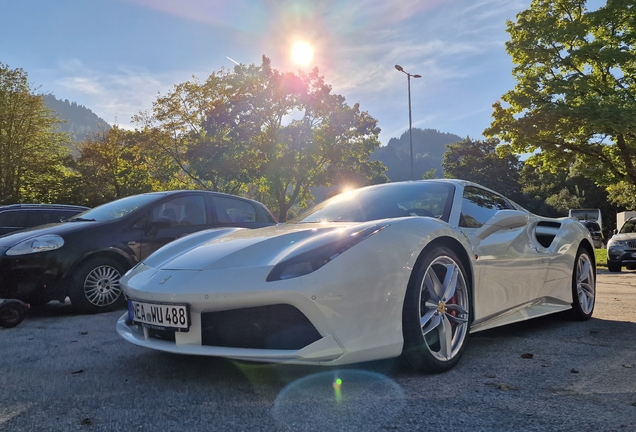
(41, 243)
(312, 260)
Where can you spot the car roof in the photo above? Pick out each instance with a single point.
(215, 193)
(42, 206)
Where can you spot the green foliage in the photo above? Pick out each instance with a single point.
(485, 162)
(622, 194)
(112, 166)
(430, 174)
(564, 201)
(32, 155)
(574, 103)
(262, 133)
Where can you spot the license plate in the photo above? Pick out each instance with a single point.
(159, 316)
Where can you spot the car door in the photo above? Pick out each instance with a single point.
(510, 271)
(174, 218)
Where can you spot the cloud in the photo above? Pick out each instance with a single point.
(114, 95)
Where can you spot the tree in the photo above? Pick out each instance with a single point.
(112, 166)
(32, 152)
(485, 162)
(174, 131)
(297, 133)
(574, 104)
(261, 133)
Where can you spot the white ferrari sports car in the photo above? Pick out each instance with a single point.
(400, 269)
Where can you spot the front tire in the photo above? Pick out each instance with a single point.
(583, 286)
(436, 313)
(94, 286)
(614, 267)
(12, 313)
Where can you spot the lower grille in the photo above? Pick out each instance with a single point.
(162, 334)
(281, 327)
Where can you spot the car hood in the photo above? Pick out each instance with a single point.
(238, 247)
(623, 237)
(61, 228)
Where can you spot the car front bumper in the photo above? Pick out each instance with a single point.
(621, 256)
(32, 277)
(339, 314)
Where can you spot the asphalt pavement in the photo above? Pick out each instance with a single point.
(60, 371)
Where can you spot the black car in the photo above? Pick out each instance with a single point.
(84, 257)
(15, 217)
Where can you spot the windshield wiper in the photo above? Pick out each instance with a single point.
(79, 219)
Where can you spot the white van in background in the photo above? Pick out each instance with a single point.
(593, 221)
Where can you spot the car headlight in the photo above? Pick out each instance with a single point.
(314, 259)
(37, 244)
(617, 243)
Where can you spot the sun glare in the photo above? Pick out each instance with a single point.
(302, 53)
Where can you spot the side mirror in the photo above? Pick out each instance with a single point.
(503, 219)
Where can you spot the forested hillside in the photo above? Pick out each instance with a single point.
(429, 146)
(79, 121)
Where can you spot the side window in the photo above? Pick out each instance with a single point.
(182, 211)
(230, 210)
(41, 217)
(479, 205)
(13, 219)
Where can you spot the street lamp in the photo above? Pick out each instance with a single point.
(408, 77)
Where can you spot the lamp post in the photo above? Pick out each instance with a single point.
(408, 78)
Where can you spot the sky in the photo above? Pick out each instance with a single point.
(115, 56)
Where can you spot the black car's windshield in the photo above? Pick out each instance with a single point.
(115, 209)
(390, 200)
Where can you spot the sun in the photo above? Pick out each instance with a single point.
(302, 53)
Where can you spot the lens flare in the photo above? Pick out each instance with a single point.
(349, 399)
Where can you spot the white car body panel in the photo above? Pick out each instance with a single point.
(354, 301)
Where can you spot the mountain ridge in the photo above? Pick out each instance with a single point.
(80, 122)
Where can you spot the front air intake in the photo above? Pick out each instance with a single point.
(279, 327)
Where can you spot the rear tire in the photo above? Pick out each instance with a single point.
(583, 286)
(436, 313)
(94, 286)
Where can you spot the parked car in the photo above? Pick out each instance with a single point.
(15, 217)
(400, 269)
(621, 248)
(85, 257)
(596, 233)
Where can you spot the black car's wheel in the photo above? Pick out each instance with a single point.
(436, 312)
(583, 286)
(614, 267)
(94, 286)
(12, 313)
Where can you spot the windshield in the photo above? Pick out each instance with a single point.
(115, 209)
(389, 200)
(592, 226)
(629, 227)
